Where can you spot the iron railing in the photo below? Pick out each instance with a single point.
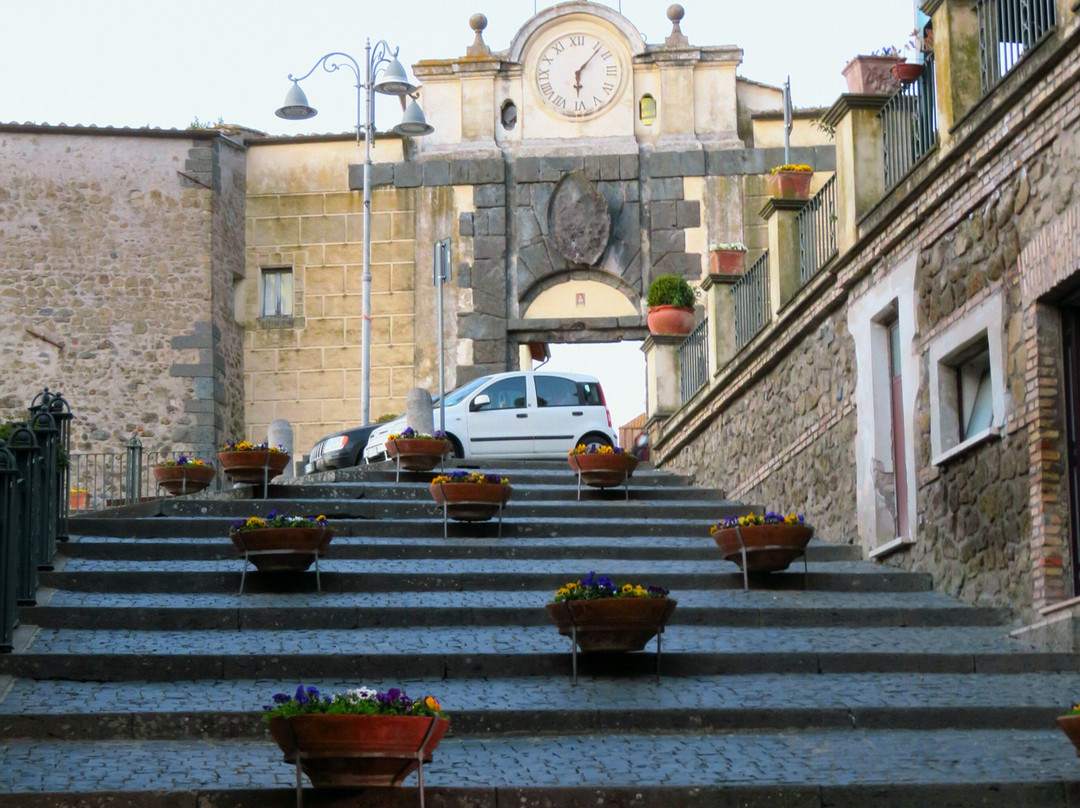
(752, 308)
(106, 479)
(909, 124)
(817, 231)
(694, 361)
(1007, 30)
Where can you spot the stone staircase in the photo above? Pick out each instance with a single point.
(139, 676)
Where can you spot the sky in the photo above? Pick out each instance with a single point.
(162, 63)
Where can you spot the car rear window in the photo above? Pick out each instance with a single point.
(557, 391)
(591, 393)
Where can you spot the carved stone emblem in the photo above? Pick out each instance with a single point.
(579, 222)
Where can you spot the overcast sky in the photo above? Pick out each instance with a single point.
(163, 63)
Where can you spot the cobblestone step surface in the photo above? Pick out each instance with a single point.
(346, 610)
(232, 709)
(777, 768)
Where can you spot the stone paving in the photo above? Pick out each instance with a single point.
(867, 680)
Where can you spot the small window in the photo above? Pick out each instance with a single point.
(506, 394)
(647, 110)
(508, 115)
(557, 391)
(277, 296)
(974, 404)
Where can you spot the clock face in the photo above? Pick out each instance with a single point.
(578, 74)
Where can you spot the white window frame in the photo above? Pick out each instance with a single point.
(892, 297)
(264, 274)
(949, 352)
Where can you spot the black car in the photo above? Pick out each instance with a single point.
(340, 450)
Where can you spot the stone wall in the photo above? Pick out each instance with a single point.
(301, 214)
(786, 443)
(105, 261)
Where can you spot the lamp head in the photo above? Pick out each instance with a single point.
(393, 81)
(413, 123)
(296, 107)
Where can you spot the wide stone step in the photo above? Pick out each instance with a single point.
(338, 576)
(988, 768)
(470, 652)
(414, 486)
(349, 610)
(708, 704)
(663, 548)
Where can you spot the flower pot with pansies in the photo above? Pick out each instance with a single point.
(601, 466)
(762, 542)
(247, 462)
(417, 451)
(184, 475)
(790, 181)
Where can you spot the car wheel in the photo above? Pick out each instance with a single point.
(458, 452)
(593, 437)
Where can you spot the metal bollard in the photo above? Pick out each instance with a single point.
(133, 469)
(9, 558)
(23, 444)
(44, 493)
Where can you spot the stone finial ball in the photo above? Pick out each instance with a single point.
(675, 12)
(478, 22)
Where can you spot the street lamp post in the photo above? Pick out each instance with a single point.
(384, 74)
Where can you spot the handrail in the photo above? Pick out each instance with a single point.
(694, 361)
(751, 293)
(817, 231)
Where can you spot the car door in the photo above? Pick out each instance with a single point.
(499, 419)
(560, 415)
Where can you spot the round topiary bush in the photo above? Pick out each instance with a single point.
(670, 290)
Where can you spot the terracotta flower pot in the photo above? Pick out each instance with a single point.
(180, 480)
(769, 548)
(611, 624)
(603, 470)
(358, 750)
(871, 75)
(1070, 725)
(418, 454)
(727, 262)
(671, 320)
(282, 548)
(907, 72)
(471, 502)
(790, 184)
(247, 466)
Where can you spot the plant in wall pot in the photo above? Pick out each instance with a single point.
(764, 543)
(870, 74)
(671, 306)
(727, 258)
(185, 475)
(790, 181)
(356, 739)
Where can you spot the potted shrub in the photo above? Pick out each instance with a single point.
(356, 739)
(871, 74)
(281, 542)
(790, 181)
(247, 462)
(671, 306)
(762, 543)
(416, 451)
(727, 258)
(185, 475)
(600, 615)
(601, 466)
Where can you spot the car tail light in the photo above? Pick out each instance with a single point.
(607, 412)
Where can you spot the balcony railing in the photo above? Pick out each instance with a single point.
(694, 361)
(106, 479)
(752, 308)
(1007, 30)
(909, 124)
(817, 231)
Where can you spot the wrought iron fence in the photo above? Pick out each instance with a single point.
(909, 124)
(694, 361)
(751, 293)
(1007, 30)
(107, 479)
(817, 231)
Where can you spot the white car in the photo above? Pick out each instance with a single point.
(517, 414)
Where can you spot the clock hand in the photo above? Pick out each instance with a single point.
(577, 73)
